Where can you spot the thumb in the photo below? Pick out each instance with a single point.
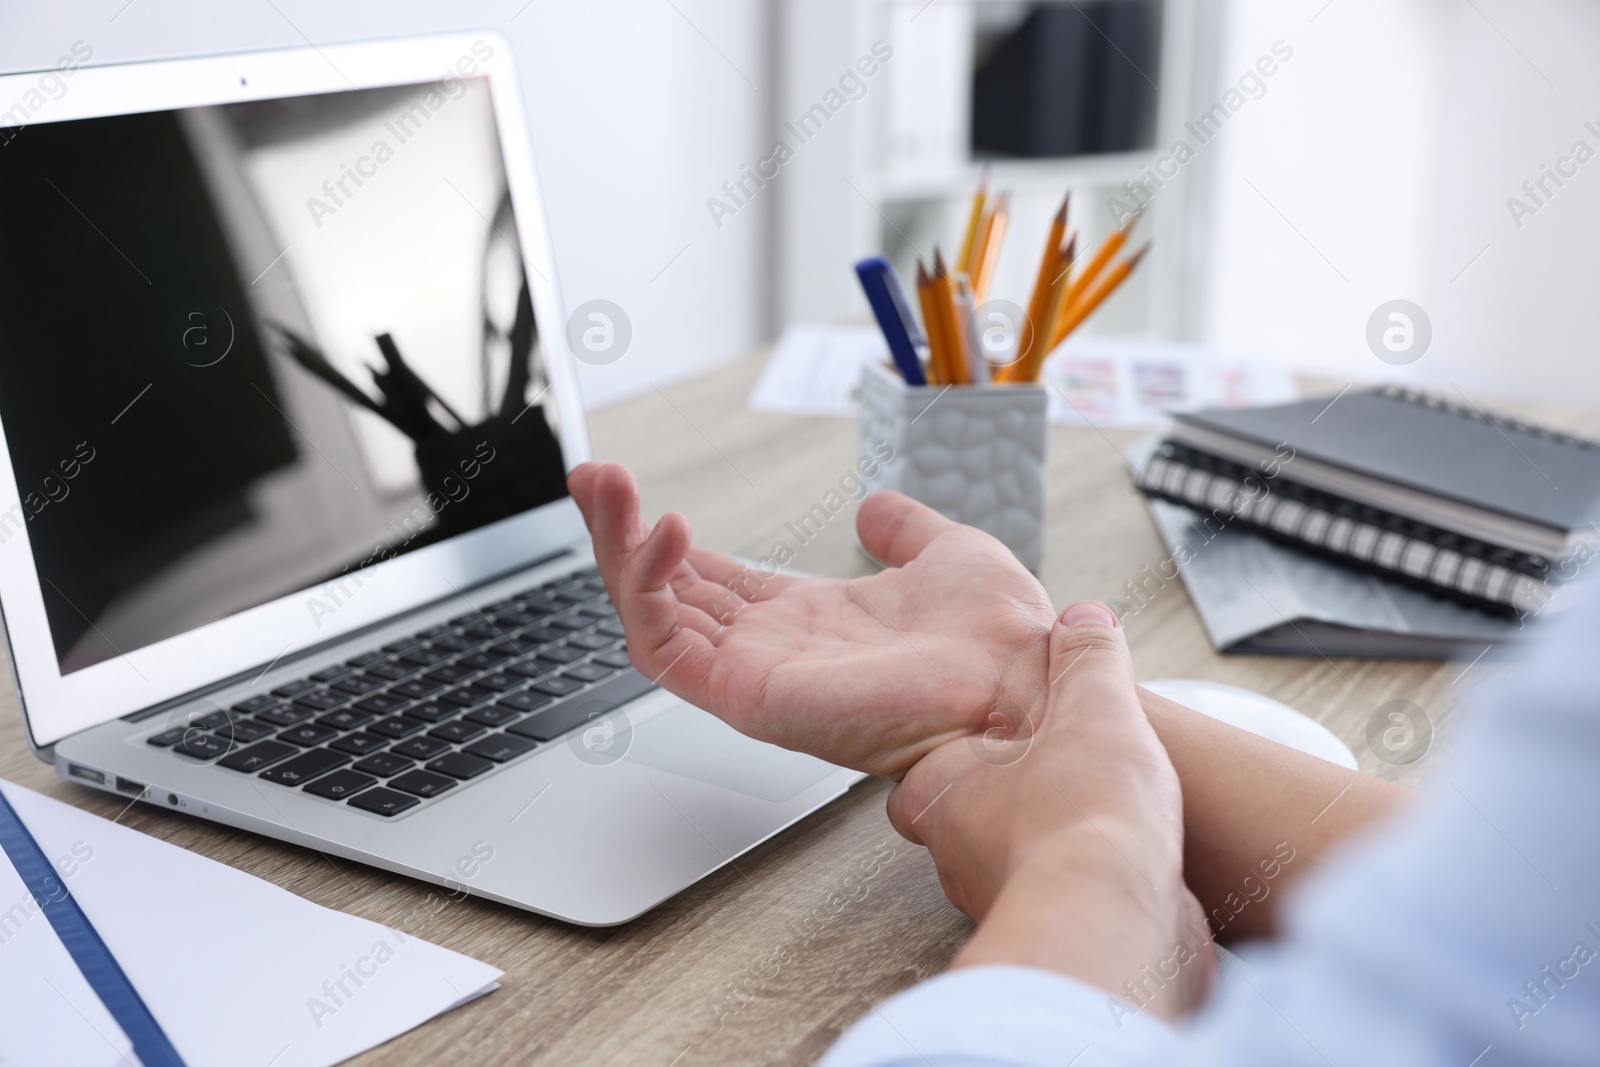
(1090, 673)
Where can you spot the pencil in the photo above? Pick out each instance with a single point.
(977, 365)
(944, 292)
(1063, 285)
(988, 252)
(1037, 333)
(965, 263)
(932, 326)
(1090, 272)
(1097, 295)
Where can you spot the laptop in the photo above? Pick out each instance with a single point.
(287, 401)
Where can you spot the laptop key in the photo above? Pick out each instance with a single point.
(341, 784)
(295, 688)
(556, 687)
(468, 696)
(367, 659)
(460, 765)
(494, 715)
(396, 726)
(544, 634)
(383, 764)
(450, 674)
(617, 659)
(359, 685)
(571, 714)
(322, 700)
(456, 732)
(244, 731)
(383, 801)
(571, 622)
(307, 734)
(500, 747)
(420, 747)
(433, 712)
(259, 702)
(304, 767)
(524, 701)
(424, 784)
(426, 657)
(436, 631)
(211, 721)
(346, 719)
(499, 683)
(458, 645)
(405, 644)
(202, 746)
(359, 744)
(589, 672)
(258, 757)
(602, 610)
(167, 738)
(561, 654)
(285, 715)
(382, 703)
(329, 674)
(483, 661)
(393, 672)
(416, 689)
(591, 642)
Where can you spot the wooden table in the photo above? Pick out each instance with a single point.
(769, 959)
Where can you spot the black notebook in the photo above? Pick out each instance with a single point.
(1440, 495)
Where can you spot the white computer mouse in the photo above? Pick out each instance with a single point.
(1261, 715)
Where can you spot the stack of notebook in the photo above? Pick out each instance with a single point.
(1441, 497)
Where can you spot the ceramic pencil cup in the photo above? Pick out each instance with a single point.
(974, 453)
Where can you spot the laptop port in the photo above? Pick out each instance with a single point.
(130, 787)
(87, 774)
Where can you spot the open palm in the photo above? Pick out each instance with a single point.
(870, 673)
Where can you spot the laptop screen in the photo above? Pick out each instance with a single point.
(250, 349)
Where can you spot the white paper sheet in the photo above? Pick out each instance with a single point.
(814, 370)
(234, 969)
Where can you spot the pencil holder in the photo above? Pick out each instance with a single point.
(974, 453)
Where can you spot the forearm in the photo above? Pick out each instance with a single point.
(1247, 804)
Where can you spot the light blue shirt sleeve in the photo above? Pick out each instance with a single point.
(1467, 935)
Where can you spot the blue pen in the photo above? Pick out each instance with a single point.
(888, 302)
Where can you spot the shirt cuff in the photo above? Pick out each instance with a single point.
(1004, 1015)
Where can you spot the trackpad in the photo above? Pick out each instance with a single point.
(698, 745)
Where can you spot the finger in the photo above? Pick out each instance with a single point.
(894, 529)
(748, 583)
(663, 633)
(1090, 680)
(580, 483)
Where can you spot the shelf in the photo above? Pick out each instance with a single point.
(1021, 175)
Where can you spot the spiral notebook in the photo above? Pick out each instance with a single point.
(1445, 497)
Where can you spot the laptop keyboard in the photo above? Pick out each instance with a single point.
(432, 712)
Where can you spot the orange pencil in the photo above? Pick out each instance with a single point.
(1063, 286)
(1097, 295)
(944, 293)
(1037, 334)
(965, 263)
(988, 253)
(932, 325)
(1091, 271)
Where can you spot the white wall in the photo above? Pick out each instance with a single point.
(1390, 143)
(640, 110)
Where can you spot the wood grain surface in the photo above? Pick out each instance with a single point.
(767, 960)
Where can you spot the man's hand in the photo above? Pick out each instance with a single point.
(871, 673)
(1067, 843)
